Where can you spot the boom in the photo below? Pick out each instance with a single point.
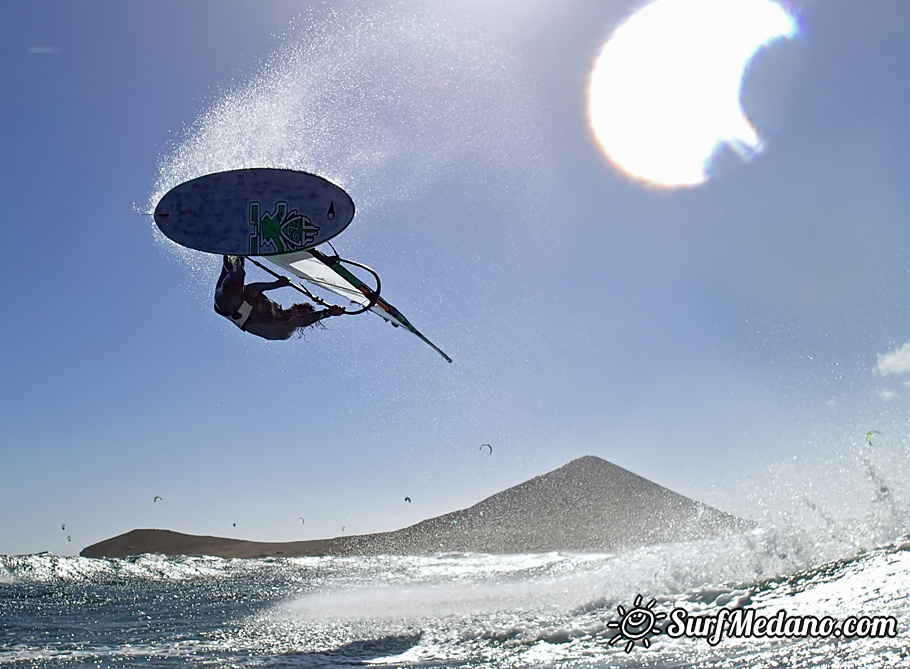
(330, 273)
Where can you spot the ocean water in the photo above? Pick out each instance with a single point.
(453, 610)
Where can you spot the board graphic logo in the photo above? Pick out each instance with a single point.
(280, 231)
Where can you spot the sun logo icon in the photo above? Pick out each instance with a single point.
(636, 624)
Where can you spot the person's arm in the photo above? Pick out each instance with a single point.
(263, 286)
(310, 318)
(323, 314)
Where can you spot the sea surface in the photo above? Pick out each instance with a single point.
(456, 609)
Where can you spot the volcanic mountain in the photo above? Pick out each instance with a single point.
(588, 505)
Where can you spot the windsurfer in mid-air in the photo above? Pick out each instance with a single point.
(247, 307)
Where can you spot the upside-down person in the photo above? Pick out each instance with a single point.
(247, 307)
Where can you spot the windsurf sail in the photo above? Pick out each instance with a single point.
(329, 273)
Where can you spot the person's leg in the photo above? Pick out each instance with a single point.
(229, 289)
(234, 265)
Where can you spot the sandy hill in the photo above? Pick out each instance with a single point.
(588, 505)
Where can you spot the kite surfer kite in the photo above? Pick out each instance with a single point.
(247, 307)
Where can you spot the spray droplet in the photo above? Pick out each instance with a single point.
(331, 214)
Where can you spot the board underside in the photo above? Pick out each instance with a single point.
(256, 212)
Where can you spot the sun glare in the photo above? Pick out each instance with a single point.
(664, 92)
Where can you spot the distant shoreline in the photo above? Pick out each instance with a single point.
(167, 542)
(588, 505)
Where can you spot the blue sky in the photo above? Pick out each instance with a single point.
(698, 337)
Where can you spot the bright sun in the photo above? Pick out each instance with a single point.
(664, 92)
